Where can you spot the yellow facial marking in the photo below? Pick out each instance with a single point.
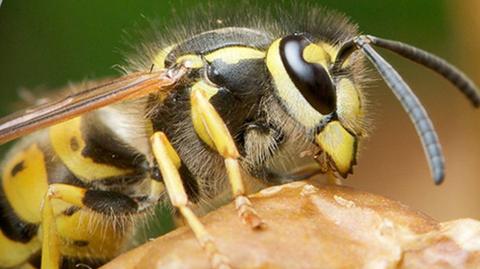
(233, 55)
(159, 59)
(339, 145)
(322, 53)
(296, 104)
(25, 172)
(330, 50)
(67, 141)
(200, 129)
(314, 53)
(17, 252)
(349, 108)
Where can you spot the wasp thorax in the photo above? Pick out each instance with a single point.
(310, 78)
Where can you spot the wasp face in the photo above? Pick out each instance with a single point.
(326, 104)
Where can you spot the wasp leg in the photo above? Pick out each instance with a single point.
(169, 162)
(50, 240)
(223, 142)
(332, 179)
(104, 202)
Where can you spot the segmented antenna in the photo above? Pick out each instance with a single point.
(437, 64)
(404, 94)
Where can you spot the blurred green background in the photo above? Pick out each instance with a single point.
(46, 44)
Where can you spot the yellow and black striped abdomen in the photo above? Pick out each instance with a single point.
(24, 182)
(75, 153)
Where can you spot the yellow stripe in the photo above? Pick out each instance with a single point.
(13, 253)
(292, 98)
(25, 182)
(84, 168)
(233, 55)
(104, 239)
(194, 61)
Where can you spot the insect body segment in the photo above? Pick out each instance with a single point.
(221, 113)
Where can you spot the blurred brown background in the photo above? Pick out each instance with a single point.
(46, 44)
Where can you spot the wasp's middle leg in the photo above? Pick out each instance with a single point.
(218, 136)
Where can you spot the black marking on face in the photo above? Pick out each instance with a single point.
(11, 225)
(311, 79)
(19, 167)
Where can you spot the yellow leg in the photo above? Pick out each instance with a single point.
(332, 179)
(169, 162)
(50, 242)
(223, 142)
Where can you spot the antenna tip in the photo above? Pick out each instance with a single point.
(438, 177)
(476, 103)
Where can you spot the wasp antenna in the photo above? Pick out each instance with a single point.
(435, 63)
(151, 68)
(409, 101)
(345, 51)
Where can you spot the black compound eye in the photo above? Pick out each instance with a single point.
(311, 79)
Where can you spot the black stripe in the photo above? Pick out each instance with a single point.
(79, 263)
(69, 262)
(11, 225)
(213, 40)
(103, 146)
(109, 202)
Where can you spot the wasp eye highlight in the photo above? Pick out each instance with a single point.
(311, 79)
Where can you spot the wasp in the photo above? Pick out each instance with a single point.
(208, 114)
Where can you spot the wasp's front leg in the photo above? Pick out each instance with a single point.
(216, 133)
(169, 163)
